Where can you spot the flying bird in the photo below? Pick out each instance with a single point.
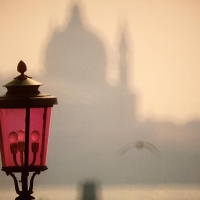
(140, 145)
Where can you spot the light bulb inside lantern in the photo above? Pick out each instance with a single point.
(21, 136)
(13, 137)
(35, 136)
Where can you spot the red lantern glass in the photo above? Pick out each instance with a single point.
(13, 136)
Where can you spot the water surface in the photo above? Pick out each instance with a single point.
(112, 192)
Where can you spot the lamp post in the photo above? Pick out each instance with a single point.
(24, 130)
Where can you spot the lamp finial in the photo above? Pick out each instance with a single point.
(21, 67)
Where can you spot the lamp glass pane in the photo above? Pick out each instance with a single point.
(39, 133)
(12, 121)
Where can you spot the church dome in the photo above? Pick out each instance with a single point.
(76, 53)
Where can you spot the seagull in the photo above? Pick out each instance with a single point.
(140, 145)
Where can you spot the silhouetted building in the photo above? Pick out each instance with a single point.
(94, 120)
(91, 111)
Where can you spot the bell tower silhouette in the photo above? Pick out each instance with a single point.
(128, 101)
(123, 65)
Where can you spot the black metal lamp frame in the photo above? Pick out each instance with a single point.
(26, 189)
(23, 93)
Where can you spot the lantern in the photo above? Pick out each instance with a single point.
(24, 130)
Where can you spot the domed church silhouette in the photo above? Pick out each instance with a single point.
(76, 54)
(93, 119)
(90, 110)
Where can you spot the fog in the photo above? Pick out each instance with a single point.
(95, 120)
(99, 113)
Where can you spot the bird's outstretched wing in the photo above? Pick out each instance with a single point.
(126, 148)
(139, 145)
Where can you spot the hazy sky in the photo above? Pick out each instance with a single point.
(164, 45)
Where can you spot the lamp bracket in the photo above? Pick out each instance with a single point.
(15, 181)
(24, 194)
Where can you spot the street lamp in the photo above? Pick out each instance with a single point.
(24, 130)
